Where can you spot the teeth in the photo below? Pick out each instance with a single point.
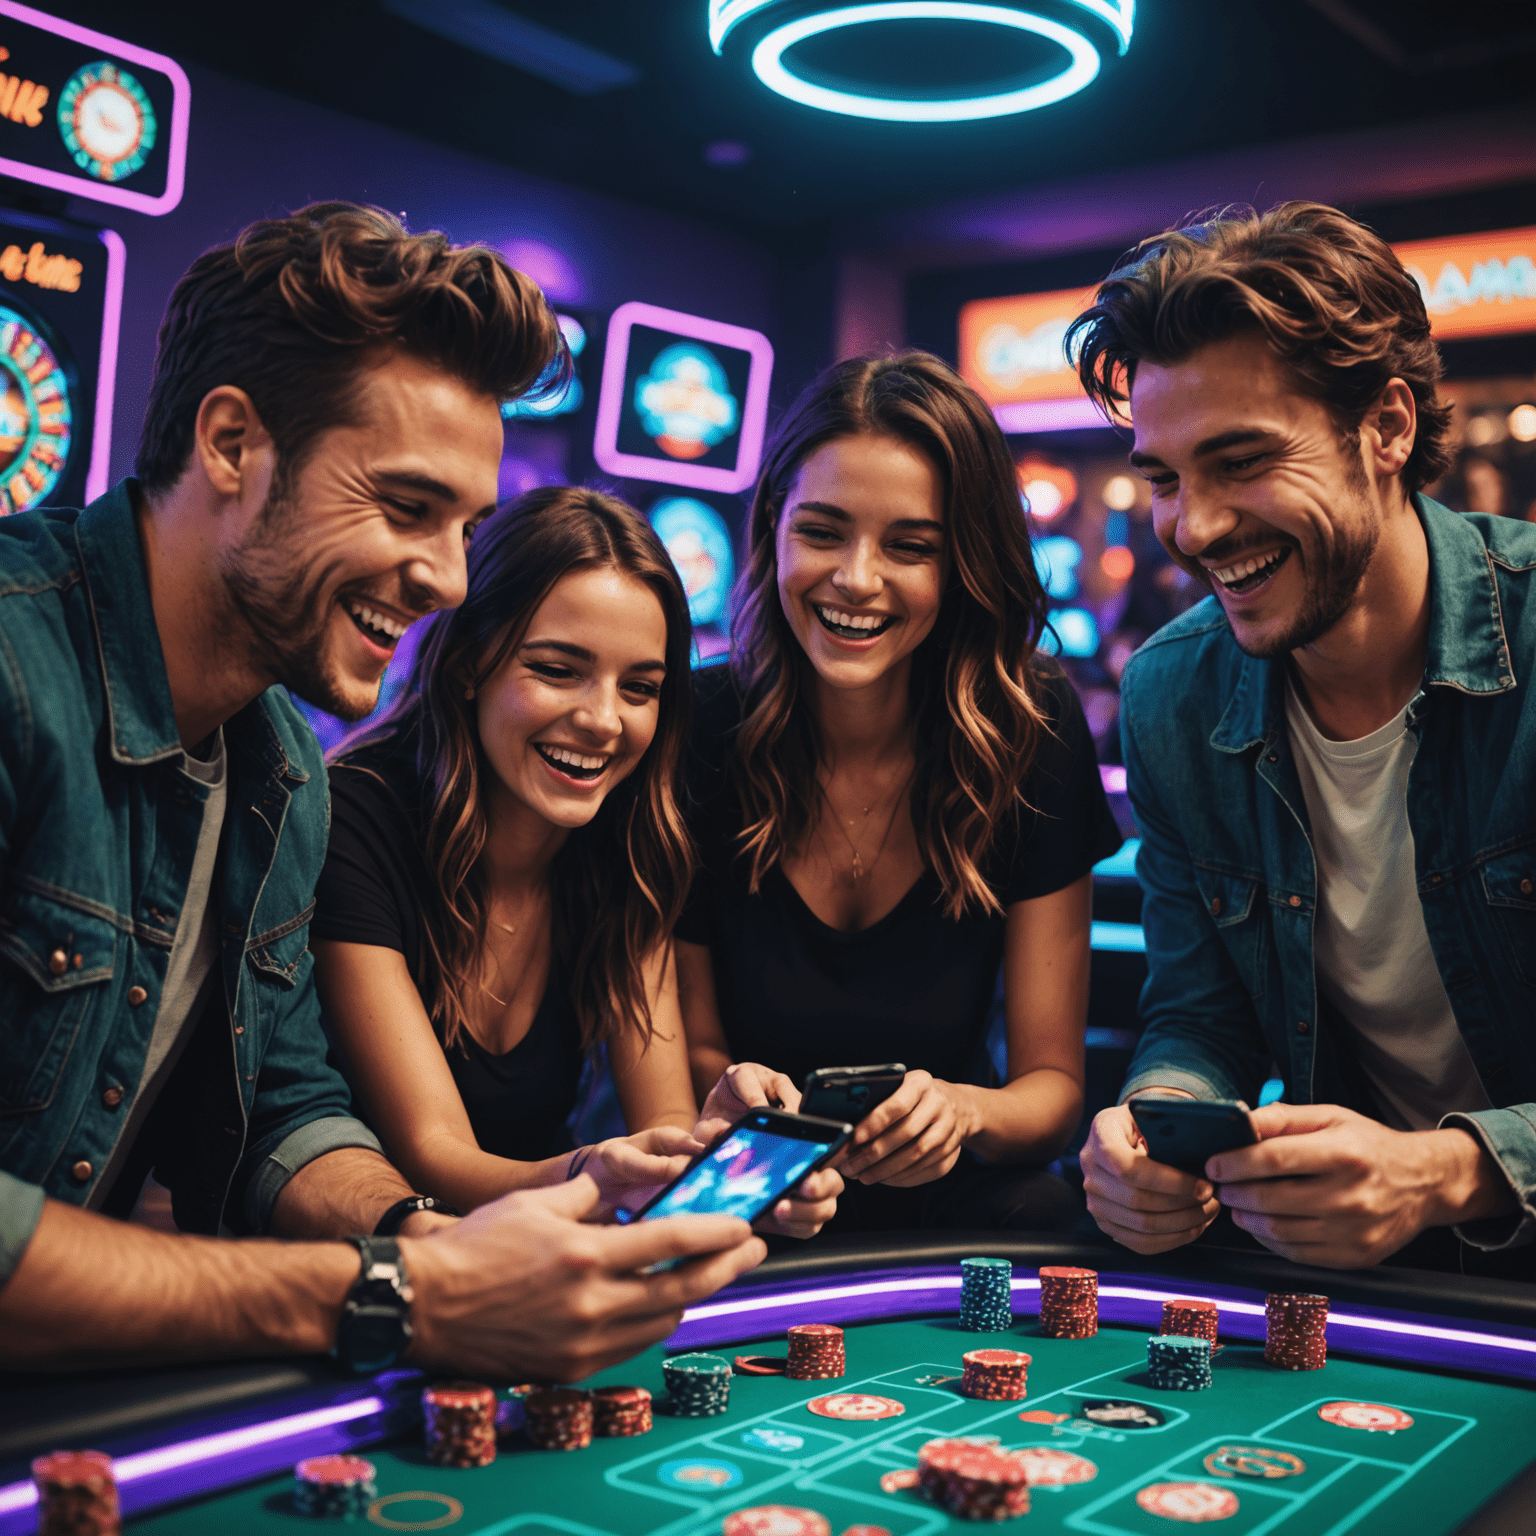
(852, 620)
(1227, 574)
(575, 759)
(379, 621)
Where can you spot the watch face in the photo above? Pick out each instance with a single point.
(107, 122)
(372, 1338)
(35, 415)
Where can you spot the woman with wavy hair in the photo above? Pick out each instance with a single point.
(507, 859)
(895, 794)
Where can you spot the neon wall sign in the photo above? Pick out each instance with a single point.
(684, 400)
(699, 543)
(1476, 285)
(773, 39)
(88, 114)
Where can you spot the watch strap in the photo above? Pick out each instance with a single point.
(375, 1325)
(395, 1217)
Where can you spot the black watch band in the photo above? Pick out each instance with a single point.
(375, 1325)
(392, 1219)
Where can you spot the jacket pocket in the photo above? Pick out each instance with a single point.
(1509, 884)
(55, 958)
(1234, 904)
(280, 953)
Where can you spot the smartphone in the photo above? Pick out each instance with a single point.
(849, 1093)
(1185, 1132)
(748, 1169)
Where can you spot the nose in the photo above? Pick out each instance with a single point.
(858, 575)
(1195, 520)
(438, 569)
(597, 715)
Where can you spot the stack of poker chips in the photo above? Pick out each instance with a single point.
(996, 1375)
(461, 1424)
(1178, 1362)
(975, 1482)
(620, 1412)
(1296, 1331)
(559, 1418)
(1194, 1319)
(511, 1416)
(986, 1295)
(815, 1352)
(698, 1386)
(76, 1494)
(778, 1520)
(1069, 1302)
(334, 1487)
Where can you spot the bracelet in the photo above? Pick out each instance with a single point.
(579, 1162)
(394, 1218)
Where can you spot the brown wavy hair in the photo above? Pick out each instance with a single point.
(976, 706)
(1328, 294)
(618, 883)
(296, 308)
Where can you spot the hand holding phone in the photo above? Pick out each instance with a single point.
(849, 1093)
(1186, 1133)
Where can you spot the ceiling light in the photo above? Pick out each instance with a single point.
(1522, 423)
(1081, 65)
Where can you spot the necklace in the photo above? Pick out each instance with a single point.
(859, 871)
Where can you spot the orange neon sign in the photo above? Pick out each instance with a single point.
(1476, 285)
(1013, 349)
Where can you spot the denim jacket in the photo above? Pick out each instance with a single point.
(1230, 881)
(97, 836)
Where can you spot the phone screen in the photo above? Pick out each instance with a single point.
(741, 1176)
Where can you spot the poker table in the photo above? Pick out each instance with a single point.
(1436, 1376)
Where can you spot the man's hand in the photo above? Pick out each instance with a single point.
(522, 1290)
(911, 1138)
(742, 1086)
(628, 1170)
(1327, 1186)
(1148, 1206)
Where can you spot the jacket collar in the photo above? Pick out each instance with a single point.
(1467, 649)
(141, 716)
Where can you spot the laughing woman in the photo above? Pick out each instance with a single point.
(895, 793)
(507, 859)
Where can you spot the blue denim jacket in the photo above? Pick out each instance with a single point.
(97, 836)
(1230, 882)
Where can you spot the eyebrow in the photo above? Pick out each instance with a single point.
(425, 485)
(581, 653)
(1208, 445)
(828, 509)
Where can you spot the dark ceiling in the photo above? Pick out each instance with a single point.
(1200, 76)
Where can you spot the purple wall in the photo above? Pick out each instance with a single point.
(254, 152)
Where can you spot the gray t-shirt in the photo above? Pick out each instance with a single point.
(191, 975)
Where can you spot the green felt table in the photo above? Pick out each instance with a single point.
(683, 1477)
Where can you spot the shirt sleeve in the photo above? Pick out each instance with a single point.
(364, 892)
(1068, 827)
(1509, 1138)
(21, 1208)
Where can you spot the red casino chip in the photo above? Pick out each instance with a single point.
(1046, 1467)
(1376, 1416)
(1043, 1416)
(903, 1477)
(1194, 1503)
(760, 1365)
(856, 1405)
(775, 1520)
(866, 1530)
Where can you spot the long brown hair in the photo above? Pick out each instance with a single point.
(618, 883)
(977, 716)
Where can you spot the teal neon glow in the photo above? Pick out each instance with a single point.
(768, 62)
(724, 14)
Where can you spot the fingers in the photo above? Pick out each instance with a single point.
(933, 1141)
(1146, 1243)
(669, 1140)
(575, 1200)
(886, 1114)
(1294, 1119)
(626, 1250)
(678, 1288)
(1184, 1218)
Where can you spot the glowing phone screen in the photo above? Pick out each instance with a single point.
(740, 1176)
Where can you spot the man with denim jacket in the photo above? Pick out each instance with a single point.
(1332, 763)
(323, 432)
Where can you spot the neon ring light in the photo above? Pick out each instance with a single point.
(768, 62)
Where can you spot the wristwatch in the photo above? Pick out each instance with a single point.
(394, 1218)
(375, 1322)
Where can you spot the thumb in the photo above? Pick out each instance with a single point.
(671, 1140)
(1292, 1119)
(575, 1199)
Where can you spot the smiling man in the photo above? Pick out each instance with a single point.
(1331, 763)
(323, 433)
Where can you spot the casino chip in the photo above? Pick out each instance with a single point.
(621, 1412)
(698, 1386)
(995, 1375)
(77, 1491)
(560, 1418)
(1376, 1416)
(1194, 1503)
(1043, 1416)
(815, 1352)
(775, 1520)
(1296, 1331)
(986, 1295)
(1261, 1461)
(327, 1488)
(903, 1477)
(760, 1365)
(1046, 1467)
(866, 1530)
(975, 1482)
(461, 1424)
(1069, 1302)
(1177, 1363)
(1194, 1319)
(856, 1405)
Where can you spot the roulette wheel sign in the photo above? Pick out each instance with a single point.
(35, 412)
(107, 120)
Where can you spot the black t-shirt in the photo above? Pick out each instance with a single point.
(916, 987)
(374, 889)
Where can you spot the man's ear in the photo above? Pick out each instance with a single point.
(228, 432)
(1390, 429)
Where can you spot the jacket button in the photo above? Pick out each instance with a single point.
(1295, 901)
(136, 995)
(1215, 906)
(239, 1029)
(81, 1172)
(1434, 879)
(1302, 1027)
(58, 962)
(1525, 887)
(112, 1097)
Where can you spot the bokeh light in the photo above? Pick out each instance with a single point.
(1522, 423)
(1117, 562)
(1119, 493)
(1483, 430)
(1056, 561)
(1048, 489)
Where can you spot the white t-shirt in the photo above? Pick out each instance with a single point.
(1374, 962)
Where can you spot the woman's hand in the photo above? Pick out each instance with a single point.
(628, 1170)
(808, 1210)
(913, 1137)
(741, 1087)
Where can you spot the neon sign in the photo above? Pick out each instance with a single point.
(1080, 68)
(1476, 285)
(683, 401)
(696, 537)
